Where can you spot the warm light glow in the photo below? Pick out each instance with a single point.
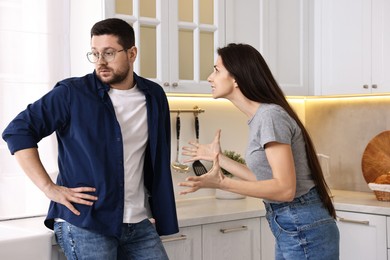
(299, 100)
(384, 96)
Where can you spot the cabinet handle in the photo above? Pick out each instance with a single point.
(362, 222)
(374, 86)
(166, 84)
(365, 86)
(228, 230)
(174, 84)
(171, 239)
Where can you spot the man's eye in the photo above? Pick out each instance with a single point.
(95, 54)
(108, 53)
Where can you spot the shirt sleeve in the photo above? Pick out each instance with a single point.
(275, 126)
(38, 120)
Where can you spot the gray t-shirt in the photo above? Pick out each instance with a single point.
(271, 123)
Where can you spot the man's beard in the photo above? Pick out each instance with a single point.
(117, 77)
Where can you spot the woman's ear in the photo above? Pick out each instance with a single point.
(235, 84)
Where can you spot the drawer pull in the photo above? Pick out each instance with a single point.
(229, 230)
(171, 239)
(362, 222)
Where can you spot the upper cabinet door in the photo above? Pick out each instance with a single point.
(381, 46)
(279, 30)
(176, 39)
(352, 45)
(286, 43)
(344, 46)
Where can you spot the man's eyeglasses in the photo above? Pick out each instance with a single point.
(108, 55)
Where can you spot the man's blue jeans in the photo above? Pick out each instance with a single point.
(138, 241)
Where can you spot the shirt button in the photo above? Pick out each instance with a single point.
(118, 139)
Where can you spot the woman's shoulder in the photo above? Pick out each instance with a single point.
(272, 110)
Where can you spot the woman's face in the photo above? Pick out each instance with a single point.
(222, 83)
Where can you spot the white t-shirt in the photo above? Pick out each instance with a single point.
(130, 110)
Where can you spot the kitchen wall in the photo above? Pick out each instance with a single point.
(340, 129)
(219, 114)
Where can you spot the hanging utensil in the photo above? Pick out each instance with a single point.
(176, 165)
(199, 168)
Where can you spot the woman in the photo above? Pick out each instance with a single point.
(282, 166)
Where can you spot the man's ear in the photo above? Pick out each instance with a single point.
(133, 52)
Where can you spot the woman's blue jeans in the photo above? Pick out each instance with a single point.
(303, 229)
(138, 241)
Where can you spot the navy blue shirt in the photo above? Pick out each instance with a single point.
(90, 151)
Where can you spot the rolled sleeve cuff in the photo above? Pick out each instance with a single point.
(20, 142)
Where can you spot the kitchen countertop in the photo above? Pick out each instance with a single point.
(361, 202)
(205, 210)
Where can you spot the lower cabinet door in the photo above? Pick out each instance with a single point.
(267, 241)
(187, 244)
(362, 236)
(57, 253)
(232, 240)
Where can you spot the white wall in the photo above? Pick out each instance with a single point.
(34, 56)
(83, 15)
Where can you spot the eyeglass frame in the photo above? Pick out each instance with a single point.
(102, 55)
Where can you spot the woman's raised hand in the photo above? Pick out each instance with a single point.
(203, 151)
(212, 179)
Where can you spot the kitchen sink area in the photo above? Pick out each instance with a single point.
(25, 239)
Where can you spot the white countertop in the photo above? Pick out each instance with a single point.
(362, 202)
(205, 210)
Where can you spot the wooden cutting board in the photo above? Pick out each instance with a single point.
(376, 157)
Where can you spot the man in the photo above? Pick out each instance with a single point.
(113, 132)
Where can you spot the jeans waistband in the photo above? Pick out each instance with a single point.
(311, 196)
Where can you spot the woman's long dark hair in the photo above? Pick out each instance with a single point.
(256, 82)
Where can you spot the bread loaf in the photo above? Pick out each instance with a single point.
(383, 179)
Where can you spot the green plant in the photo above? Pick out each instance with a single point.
(234, 156)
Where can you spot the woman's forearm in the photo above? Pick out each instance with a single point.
(237, 169)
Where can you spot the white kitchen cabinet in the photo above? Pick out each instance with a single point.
(239, 239)
(388, 237)
(362, 236)
(244, 21)
(267, 241)
(352, 46)
(176, 40)
(286, 44)
(187, 244)
(279, 30)
(57, 253)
